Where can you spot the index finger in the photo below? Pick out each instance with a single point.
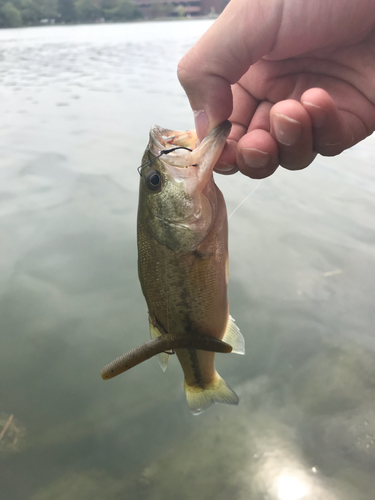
(242, 34)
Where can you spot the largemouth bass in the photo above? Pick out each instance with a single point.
(183, 255)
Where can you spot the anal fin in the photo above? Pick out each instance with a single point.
(234, 337)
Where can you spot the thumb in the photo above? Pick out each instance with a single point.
(242, 34)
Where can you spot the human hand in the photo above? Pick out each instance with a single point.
(294, 78)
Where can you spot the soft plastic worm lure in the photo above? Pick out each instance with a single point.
(162, 344)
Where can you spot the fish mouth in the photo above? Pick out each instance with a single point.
(189, 159)
(166, 138)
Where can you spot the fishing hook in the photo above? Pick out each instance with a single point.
(162, 152)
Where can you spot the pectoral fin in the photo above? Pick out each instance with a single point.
(234, 337)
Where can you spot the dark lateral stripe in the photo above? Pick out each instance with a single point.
(162, 344)
(194, 363)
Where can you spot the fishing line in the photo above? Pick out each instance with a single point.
(246, 198)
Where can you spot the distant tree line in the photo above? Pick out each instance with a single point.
(15, 13)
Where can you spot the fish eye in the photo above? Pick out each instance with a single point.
(153, 180)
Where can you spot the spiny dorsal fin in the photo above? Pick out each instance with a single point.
(234, 337)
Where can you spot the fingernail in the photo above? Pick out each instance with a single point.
(201, 123)
(255, 158)
(318, 114)
(225, 168)
(287, 130)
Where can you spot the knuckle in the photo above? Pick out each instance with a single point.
(181, 69)
(185, 71)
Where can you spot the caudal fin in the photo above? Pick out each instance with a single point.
(199, 399)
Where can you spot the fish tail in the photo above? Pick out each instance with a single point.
(218, 391)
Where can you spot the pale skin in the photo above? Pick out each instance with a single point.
(294, 77)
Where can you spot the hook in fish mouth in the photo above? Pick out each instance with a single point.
(162, 152)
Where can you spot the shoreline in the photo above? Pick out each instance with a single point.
(125, 21)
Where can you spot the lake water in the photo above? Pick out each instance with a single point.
(76, 105)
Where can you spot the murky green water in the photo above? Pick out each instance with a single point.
(76, 104)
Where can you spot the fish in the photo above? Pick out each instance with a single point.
(182, 236)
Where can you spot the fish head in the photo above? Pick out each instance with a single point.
(177, 198)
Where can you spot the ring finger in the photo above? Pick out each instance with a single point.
(292, 130)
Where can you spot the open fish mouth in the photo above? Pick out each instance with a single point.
(171, 138)
(178, 148)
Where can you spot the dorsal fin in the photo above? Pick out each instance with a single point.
(234, 337)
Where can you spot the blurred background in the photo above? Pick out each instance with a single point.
(76, 106)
